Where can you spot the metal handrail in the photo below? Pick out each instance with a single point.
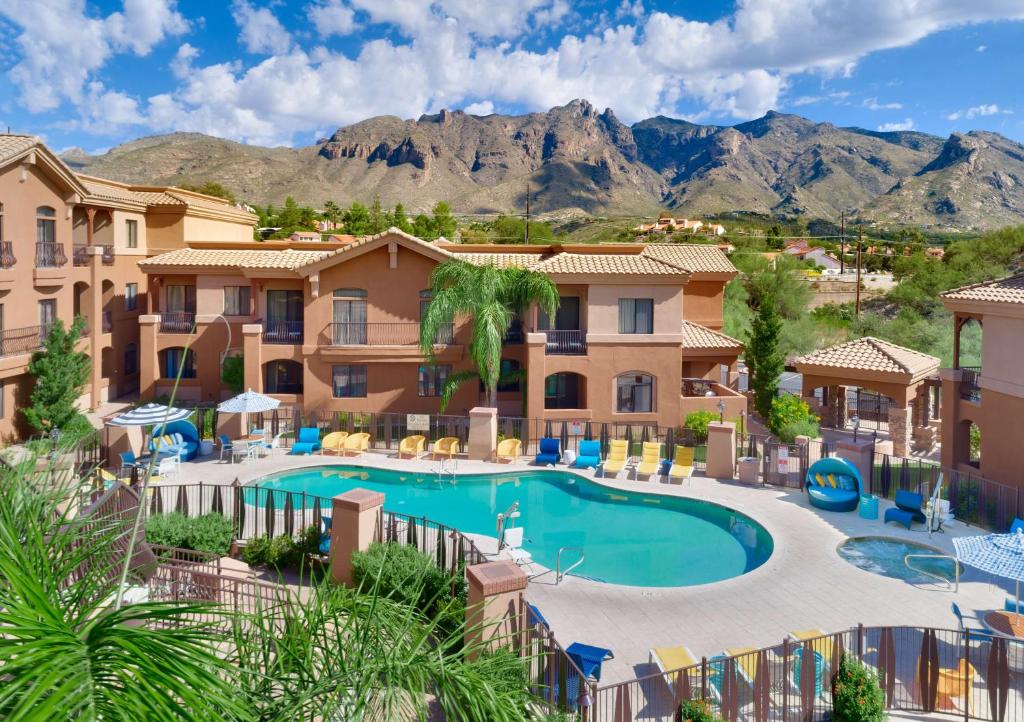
(956, 567)
(559, 574)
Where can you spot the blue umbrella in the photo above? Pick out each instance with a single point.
(150, 415)
(999, 554)
(250, 402)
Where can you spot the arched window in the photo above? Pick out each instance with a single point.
(46, 225)
(349, 316)
(564, 391)
(170, 362)
(282, 377)
(634, 393)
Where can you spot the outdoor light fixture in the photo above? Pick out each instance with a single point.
(856, 425)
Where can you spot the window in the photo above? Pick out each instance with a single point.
(46, 225)
(171, 361)
(349, 316)
(634, 394)
(636, 315)
(131, 296)
(236, 300)
(425, 297)
(566, 319)
(509, 367)
(47, 313)
(131, 359)
(181, 299)
(562, 391)
(131, 234)
(283, 377)
(433, 379)
(349, 381)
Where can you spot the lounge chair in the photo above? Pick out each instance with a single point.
(334, 442)
(833, 484)
(589, 455)
(508, 450)
(274, 443)
(650, 460)
(682, 465)
(411, 446)
(822, 642)
(589, 658)
(549, 452)
(512, 542)
(618, 456)
(307, 441)
(178, 437)
(670, 659)
(356, 444)
(908, 509)
(445, 446)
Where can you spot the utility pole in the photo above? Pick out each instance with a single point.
(860, 239)
(842, 242)
(527, 230)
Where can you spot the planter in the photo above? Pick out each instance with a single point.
(205, 447)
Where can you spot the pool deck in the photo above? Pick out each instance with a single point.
(804, 585)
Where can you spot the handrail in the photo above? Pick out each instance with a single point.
(956, 567)
(559, 574)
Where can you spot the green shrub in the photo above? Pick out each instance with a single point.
(169, 530)
(281, 552)
(211, 532)
(856, 696)
(788, 410)
(803, 427)
(254, 553)
(697, 423)
(697, 710)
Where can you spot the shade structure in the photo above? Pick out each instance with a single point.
(998, 554)
(249, 402)
(150, 415)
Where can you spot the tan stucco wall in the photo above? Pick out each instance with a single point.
(209, 229)
(603, 306)
(702, 303)
(1002, 348)
(1000, 435)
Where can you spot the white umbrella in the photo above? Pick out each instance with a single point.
(999, 554)
(249, 402)
(150, 415)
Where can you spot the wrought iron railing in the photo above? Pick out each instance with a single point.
(177, 321)
(7, 259)
(283, 332)
(347, 333)
(80, 255)
(108, 254)
(50, 254)
(14, 341)
(566, 342)
(970, 383)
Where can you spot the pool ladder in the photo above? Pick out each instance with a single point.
(444, 473)
(956, 567)
(559, 574)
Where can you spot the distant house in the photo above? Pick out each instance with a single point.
(819, 256)
(935, 252)
(327, 226)
(678, 225)
(714, 229)
(342, 238)
(305, 236)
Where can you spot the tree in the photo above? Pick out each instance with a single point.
(492, 297)
(331, 211)
(399, 220)
(763, 357)
(61, 373)
(232, 373)
(357, 220)
(422, 226)
(378, 222)
(291, 215)
(443, 222)
(210, 188)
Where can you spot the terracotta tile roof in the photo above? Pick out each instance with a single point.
(693, 257)
(599, 263)
(1002, 290)
(502, 260)
(12, 144)
(872, 354)
(696, 336)
(158, 198)
(102, 191)
(364, 240)
(285, 259)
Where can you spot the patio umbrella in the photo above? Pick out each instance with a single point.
(150, 415)
(249, 402)
(998, 554)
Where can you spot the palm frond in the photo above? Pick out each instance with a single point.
(452, 384)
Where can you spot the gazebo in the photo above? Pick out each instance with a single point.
(902, 374)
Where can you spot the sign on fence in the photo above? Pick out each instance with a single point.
(417, 422)
(782, 460)
(576, 428)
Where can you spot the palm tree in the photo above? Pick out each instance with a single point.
(493, 297)
(331, 211)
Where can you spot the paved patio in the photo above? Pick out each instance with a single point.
(804, 584)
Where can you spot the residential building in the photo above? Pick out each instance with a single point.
(69, 245)
(335, 326)
(805, 252)
(987, 398)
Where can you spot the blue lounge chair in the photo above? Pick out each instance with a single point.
(1017, 525)
(550, 452)
(907, 509)
(183, 440)
(533, 616)
(325, 536)
(589, 456)
(307, 442)
(588, 658)
(833, 484)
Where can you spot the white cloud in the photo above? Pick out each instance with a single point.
(484, 107)
(261, 31)
(181, 65)
(873, 104)
(978, 111)
(907, 124)
(806, 100)
(332, 17)
(981, 48)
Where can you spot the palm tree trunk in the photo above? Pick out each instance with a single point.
(492, 396)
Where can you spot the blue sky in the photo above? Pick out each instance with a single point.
(97, 73)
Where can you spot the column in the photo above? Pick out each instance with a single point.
(94, 255)
(721, 459)
(252, 346)
(495, 609)
(355, 515)
(483, 433)
(149, 368)
(899, 429)
(860, 453)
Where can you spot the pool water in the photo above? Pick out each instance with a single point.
(627, 538)
(884, 556)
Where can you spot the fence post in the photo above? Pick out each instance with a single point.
(967, 674)
(353, 528)
(494, 605)
(860, 642)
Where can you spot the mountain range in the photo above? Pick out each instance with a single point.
(576, 159)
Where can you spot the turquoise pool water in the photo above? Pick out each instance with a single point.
(884, 556)
(627, 538)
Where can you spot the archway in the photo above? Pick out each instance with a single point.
(565, 390)
(171, 361)
(282, 377)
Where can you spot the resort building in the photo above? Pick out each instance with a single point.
(330, 326)
(982, 404)
(70, 245)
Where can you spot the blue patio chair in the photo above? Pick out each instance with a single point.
(549, 452)
(226, 446)
(908, 509)
(533, 616)
(589, 658)
(325, 536)
(128, 462)
(307, 441)
(589, 456)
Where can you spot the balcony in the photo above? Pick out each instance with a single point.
(705, 395)
(108, 254)
(79, 255)
(283, 332)
(7, 259)
(177, 321)
(15, 341)
(970, 383)
(50, 255)
(566, 342)
(108, 321)
(386, 334)
(514, 336)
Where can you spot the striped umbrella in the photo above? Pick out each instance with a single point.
(249, 402)
(999, 554)
(150, 415)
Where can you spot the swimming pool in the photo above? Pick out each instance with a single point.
(630, 538)
(885, 555)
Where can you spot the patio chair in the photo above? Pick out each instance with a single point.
(954, 683)
(226, 447)
(334, 442)
(549, 452)
(412, 446)
(307, 441)
(274, 444)
(589, 456)
(445, 446)
(618, 456)
(512, 542)
(356, 444)
(650, 459)
(670, 659)
(128, 462)
(909, 508)
(682, 465)
(178, 437)
(167, 469)
(325, 536)
(589, 658)
(508, 450)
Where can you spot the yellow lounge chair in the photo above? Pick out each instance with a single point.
(446, 446)
(669, 659)
(411, 446)
(822, 646)
(334, 443)
(508, 450)
(650, 458)
(682, 465)
(618, 455)
(356, 444)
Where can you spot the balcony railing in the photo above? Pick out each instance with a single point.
(345, 333)
(108, 254)
(970, 383)
(50, 255)
(108, 321)
(177, 321)
(698, 387)
(14, 341)
(80, 255)
(286, 332)
(566, 343)
(7, 258)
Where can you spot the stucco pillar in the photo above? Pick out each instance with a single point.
(860, 453)
(899, 429)
(353, 528)
(94, 255)
(252, 347)
(149, 371)
(837, 406)
(495, 605)
(483, 433)
(721, 463)
(535, 375)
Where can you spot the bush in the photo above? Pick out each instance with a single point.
(804, 427)
(169, 530)
(254, 553)
(281, 552)
(211, 532)
(697, 422)
(856, 696)
(697, 710)
(788, 410)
